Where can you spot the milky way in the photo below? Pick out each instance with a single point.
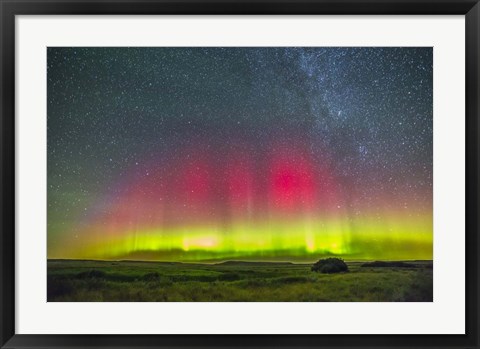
(240, 153)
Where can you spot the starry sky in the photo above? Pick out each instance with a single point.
(262, 153)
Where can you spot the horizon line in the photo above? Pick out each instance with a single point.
(230, 260)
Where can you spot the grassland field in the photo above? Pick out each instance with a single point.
(131, 281)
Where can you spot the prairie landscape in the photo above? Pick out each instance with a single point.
(235, 281)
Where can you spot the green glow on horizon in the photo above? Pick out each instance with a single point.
(396, 238)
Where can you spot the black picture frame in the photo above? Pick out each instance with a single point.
(10, 8)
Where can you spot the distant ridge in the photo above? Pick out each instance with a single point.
(231, 263)
(253, 263)
(118, 261)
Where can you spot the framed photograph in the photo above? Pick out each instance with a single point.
(238, 174)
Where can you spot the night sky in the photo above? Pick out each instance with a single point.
(188, 154)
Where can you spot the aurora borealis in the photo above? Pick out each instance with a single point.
(200, 154)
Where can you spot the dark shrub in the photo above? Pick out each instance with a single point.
(290, 280)
(91, 274)
(330, 266)
(119, 277)
(151, 277)
(382, 264)
(57, 287)
(229, 277)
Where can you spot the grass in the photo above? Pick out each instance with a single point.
(126, 281)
